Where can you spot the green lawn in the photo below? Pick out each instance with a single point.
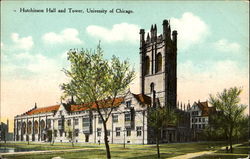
(238, 152)
(117, 150)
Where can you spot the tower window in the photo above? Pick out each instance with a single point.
(152, 87)
(158, 67)
(147, 64)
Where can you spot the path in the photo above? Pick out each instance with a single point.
(197, 154)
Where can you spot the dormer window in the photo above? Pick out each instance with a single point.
(128, 104)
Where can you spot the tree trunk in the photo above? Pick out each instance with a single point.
(157, 143)
(106, 141)
(230, 140)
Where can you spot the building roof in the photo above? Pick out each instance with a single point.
(104, 104)
(142, 98)
(205, 109)
(81, 107)
(43, 110)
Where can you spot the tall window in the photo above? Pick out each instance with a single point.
(128, 104)
(147, 64)
(115, 118)
(118, 131)
(128, 130)
(99, 131)
(85, 122)
(152, 87)
(29, 127)
(76, 133)
(76, 121)
(138, 130)
(99, 120)
(23, 127)
(42, 124)
(36, 127)
(127, 117)
(69, 122)
(158, 66)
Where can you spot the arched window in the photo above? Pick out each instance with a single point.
(158, 67)
(42, 124)
(36, 127)
(23, 128)
(152, 87)
(147, 64)
(29, 127)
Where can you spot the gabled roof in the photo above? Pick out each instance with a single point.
(43, 110)
(81, 107)
(205, 109)
(142, 98)
(104, 104)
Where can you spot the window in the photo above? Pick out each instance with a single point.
(49, 123)
(76, 132)
(99, 131)
(158, 66)
(115, 118)
(118, 131)
(128, 104)
(203, 119)
(196, 120)
(199, 119)
(55, 133)
(99, 120)
(128, 130)
(69, 122)
(85, 122)
(138, 130)
(59, 122)
(152, 87)
(76, 121)
(70, 134)
(127, 117)
(61, 133)
(147, 65)
(192, 120)
(36, 127)
(203, 126)
(108, 132)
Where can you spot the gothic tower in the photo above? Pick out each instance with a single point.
(158, 60)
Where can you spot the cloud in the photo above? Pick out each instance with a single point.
(69, 35)
(25, 43)
(191, 29)
(225, 46)
(119, 32)
(198, 81)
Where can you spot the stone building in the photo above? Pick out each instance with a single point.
(199, 118)
(5, 135)
(129, 120)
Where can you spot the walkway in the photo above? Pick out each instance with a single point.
(197, 154)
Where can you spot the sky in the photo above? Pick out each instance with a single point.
(213, 45)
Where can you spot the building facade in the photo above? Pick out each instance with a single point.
(199, 118)
(5, 135)
(129, 120)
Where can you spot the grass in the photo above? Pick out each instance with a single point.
(238, 152)
(117, 150)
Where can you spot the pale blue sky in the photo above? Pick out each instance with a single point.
(213, 44)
